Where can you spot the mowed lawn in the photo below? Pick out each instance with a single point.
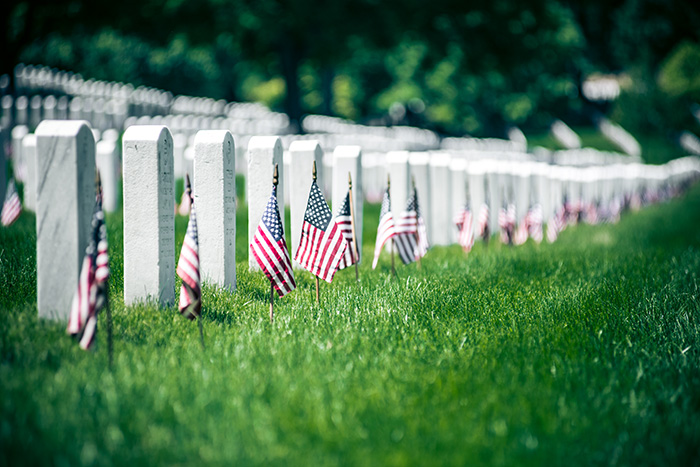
(582, 352)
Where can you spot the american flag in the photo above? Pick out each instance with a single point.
(466, 232)
(270, 249)
(188, 267)
(535, 218)
(556, 224)
(506, 221)
(385, 230)
(483, 225)
(458, 218)
(423, 244)
(344, 222)
(91, 295)
(185, 203)
(12, 206)
(322, 244)
(592, 213)
(407, 232)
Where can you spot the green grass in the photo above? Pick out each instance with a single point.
(582, 352)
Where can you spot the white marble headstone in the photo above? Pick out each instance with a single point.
(263, 153)
(441, 216)
(149, 218)
(419, 165)
(215, 203)
(65, 201)
(29, 158)
(348, 159)
(109, 165)
(302, 155)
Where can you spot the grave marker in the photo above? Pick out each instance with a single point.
(109, 166)
(149, 220)
(441, 216)
(349, 159)
(263, 153)
(214, 200)
(65, 200)
(302, 155)
(29, 155)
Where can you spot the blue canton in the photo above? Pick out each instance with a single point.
(271, 217)
(317, 212)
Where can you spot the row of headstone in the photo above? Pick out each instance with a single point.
(65, 195)
(446, 183)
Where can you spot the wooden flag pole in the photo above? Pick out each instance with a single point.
(197, 308)
(391, 245)
(318, 286)
(275, 181)
(352, 224)
(420, 257)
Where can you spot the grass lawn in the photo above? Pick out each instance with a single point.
(582, 352)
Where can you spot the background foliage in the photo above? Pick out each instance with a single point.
(456, 67)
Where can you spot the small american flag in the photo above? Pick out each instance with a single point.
(270, 249)
(185, 203)
(423, 244)
(322, 244)
(385, 230)
(535, 219)
(483, 225)
(458, 218)
(344, 222)
(407, 232)
(91, 295)
(556, 224)
(12, 206)
(506, 221)
(188, 266)
(466, 232)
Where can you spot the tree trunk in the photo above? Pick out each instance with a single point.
(290, 57)
(327, 75)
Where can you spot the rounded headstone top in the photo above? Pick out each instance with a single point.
(212, 136)
(273, 143)
(347, 151)
(64, 128)
(147, 133)
(440, 159)
(305, 146)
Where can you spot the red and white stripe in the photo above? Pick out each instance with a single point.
(188, 271)
(320, 251)
(466, 233)
(385, 231)
(185, 204)
(535, 218)
(345, 225)
(12, 207)
(273, 260)
(405, 239)
(483, 221)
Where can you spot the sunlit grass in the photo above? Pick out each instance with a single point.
(582, 352)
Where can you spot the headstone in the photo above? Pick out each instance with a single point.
(459, 195)
(179, 144)
(7, 120)
(49, 108)
(440, 224)
(149, 219)
(65, 196)
(397, 168)
(419, 165)
(35, 111)
(348, 159)
(263, 153)
(215, 203)
(302, 155)
(29, 155)
(21, 110)
(109, 165)
(18, 164)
